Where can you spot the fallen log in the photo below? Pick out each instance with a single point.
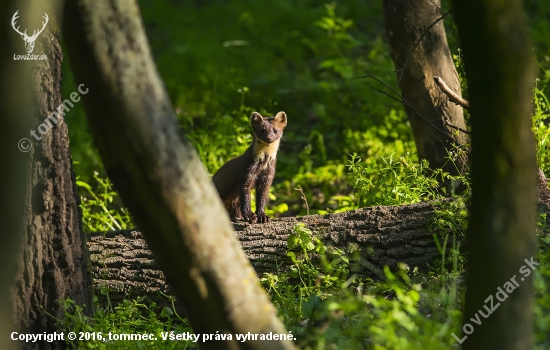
(382, 235)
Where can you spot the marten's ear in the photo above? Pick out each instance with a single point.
(256, 118)
(281, 118)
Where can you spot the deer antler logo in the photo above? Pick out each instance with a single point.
(29, 40)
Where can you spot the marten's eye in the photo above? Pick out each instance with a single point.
(275, 131)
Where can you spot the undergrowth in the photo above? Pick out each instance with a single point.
(321, 296)
(322, 299)
(345, 147)
(541, 125)
(332, 307)
(135, 316)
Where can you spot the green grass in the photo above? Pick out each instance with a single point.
(131, 317)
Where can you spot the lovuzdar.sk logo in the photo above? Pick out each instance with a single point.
(29, 39)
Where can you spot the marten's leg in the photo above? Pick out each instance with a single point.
(234, 210)
(264, 181)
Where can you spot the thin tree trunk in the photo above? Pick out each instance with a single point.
(419, 54)
(499, 67)
(160, 178)
(53, 255)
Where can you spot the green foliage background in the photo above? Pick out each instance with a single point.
(346, 146)
(222, 60)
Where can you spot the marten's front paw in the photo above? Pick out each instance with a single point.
(250, 217)
(262, 218)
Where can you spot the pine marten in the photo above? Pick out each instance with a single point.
(255, 168)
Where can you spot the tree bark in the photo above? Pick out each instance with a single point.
(51, 251)
(385, 235)
(122, 262)
(53, 260)
(419, 54)
(15, 97)
(499, 66)
(161, 178)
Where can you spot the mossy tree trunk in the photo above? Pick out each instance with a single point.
(499, 66)
(419, 54)
(160, 178)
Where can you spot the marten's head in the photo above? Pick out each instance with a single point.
(270, 129)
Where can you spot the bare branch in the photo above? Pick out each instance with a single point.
(407, 104)
(457, 128)
(385, 93)
(453, 96)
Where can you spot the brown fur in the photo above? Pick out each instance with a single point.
(255, 168)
